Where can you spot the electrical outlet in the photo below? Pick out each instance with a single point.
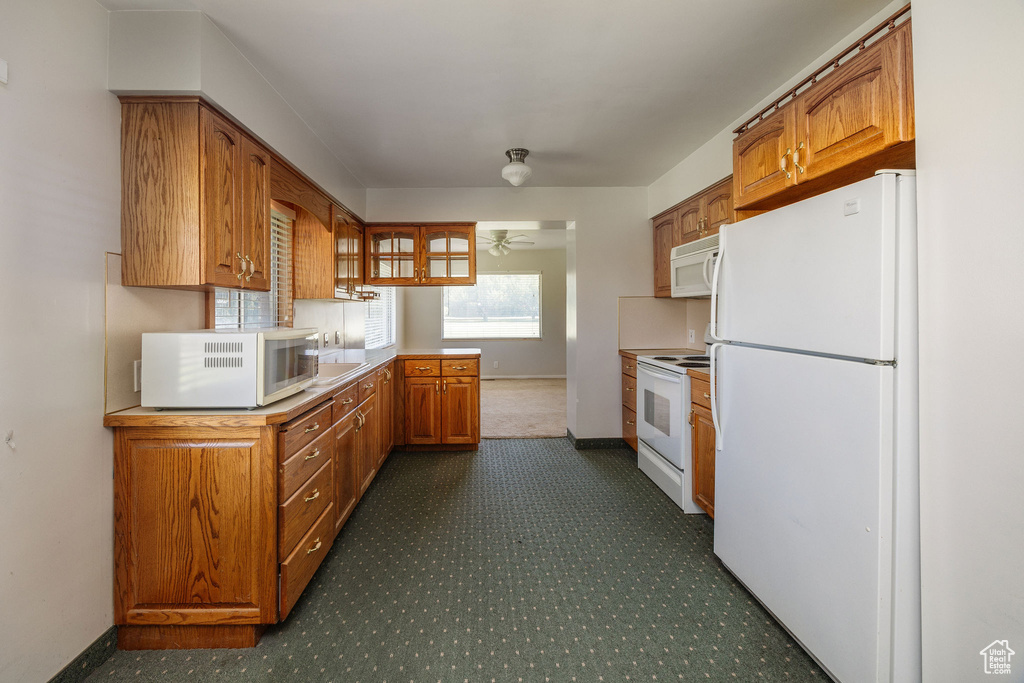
(326, 338)
(495, 365)
(691, 336)
(137, 375)
(337, 337)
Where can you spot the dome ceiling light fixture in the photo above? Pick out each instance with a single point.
(516, 171)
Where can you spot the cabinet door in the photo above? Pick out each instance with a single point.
(367, 441)
(703, 431)
(449, 255)
(629, 427)
(385, 398)
(690, 222)
(343, 286)
(356, 274)
(220, 201)
(256, 215)
(663, 235)
(422, 410)
(717, 208)
(391, 255)
(762, 165)
(346, 469)
(861, 108)
(460, 410)
(312, 257)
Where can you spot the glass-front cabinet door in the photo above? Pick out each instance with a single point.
(421, 254)
(449, 253)
(392, 253)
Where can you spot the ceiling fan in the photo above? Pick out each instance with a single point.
(501, 243)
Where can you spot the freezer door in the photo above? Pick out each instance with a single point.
(804, 499)
(818, 275)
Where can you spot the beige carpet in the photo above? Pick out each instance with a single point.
(522, 408)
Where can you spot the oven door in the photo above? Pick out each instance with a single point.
(289, 364)
(691, 274)
(659, 412)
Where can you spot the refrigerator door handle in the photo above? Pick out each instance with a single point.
(713, 328)
(714, 395)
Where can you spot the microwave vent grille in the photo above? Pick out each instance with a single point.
(222, 362)
(223, 347)
(695, 246)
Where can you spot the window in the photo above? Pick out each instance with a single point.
(241, 309)
(380, 319)
(498, 306)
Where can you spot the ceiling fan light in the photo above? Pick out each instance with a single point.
(516, 171)
(495, 250)
(505, 251)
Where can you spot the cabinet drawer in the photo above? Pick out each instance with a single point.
(367, 386)
(460, 368)
(422, 368)
(296, 470)
(629, 366)
(700, 392)
(303, 430)
(629, 427)
(296, 515)
(629, 392)
(300, 566)
(345, 401)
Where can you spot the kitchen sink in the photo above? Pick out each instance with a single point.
(332, 373)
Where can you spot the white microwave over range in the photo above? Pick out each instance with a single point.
(692, 265)
(226, 368)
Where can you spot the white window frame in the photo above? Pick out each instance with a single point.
(540, 307)
(388, 333)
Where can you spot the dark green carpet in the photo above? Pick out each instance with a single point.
(525, 561)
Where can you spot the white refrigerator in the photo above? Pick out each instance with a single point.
(815, 400)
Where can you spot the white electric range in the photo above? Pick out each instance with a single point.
(663, 431)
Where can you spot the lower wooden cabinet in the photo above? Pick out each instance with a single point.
(629, 401)
(702, 432)
(367, 441)
(346, 469)
(460, 410)
(422, 410)
(441, 402)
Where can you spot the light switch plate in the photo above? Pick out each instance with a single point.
(3, 71)
(137, 375)
(691, 336)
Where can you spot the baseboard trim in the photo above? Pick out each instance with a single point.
(483, 377)
(607, 443)
(91, 659)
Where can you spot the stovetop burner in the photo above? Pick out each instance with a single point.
(693, 364)
(666, 358)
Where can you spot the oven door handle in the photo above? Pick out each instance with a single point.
(660, 374)
(713, 352)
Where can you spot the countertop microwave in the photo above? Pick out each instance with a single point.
(226, 368)
(692, 265)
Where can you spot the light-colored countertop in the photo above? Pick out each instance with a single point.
(285, 409)
(633, 353)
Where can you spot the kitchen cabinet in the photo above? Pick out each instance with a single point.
(698, 216)
(841, 128)
(420, 254)
(313, 257)
(195, 198)
(441, 402)
(629, 401)
(702, 431)
(367, 441)
(386, 392)
(348, 255)
(346, 456)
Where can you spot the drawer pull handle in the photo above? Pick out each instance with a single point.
(630, 423)
(461, 367)
(316, 494)
(388, 372)
(707, 395)
(630, 389)
(347, 401)
(368, 385)
(421, 368)
(315, 427)
(314, 548)
(437, 388)
(630, 367)
(445, 386)
(313, 454)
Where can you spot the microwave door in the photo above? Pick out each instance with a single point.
(287, 362)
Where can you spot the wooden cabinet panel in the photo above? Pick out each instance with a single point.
(288, 186)
(422, 410)
(449, 255)
(860, 109)
(629, 392)
(718, 208)
(367, 386)
(386, 400)
(762, 162)
(392, 255)
(256, 214)
(296, 514)
(194, 526)
(420, 254)
(700, 392)
(367, 441)
(219, 183)
(703, 433)
(296, 470)
(422, 368)
(305, 428)
(689, 222)
(460, 410)
(346, 469)
(346, 400)
(298, 569)
(313, 254)
(460, 368)
(629, 427)
(628, 366)
(664, 228)
(348, 255)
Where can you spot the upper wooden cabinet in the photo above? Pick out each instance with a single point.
(695, 217)
(421, 254)
(348, 255)
(195, 199)
(841, 128)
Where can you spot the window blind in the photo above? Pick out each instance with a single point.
(498, 306)
(243, 309)
(380, 319)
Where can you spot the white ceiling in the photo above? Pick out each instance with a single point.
(410, 93)
(543, 234)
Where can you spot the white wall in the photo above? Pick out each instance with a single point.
(516, 357)
(185, 53)
(608, 255)
(60, 193)
(970, 232)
